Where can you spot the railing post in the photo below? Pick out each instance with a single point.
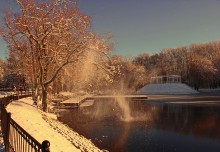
(45, 146)
(7, 132)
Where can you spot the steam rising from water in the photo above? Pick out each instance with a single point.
(126, 113)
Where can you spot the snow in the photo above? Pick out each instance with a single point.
(167, 88)
(44, 126)
(208, 90)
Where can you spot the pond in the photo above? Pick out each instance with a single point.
(153, 127)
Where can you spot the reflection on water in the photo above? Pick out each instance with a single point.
(156, 127)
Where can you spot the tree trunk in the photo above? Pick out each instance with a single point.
(34, 95)
(35, 92)
(44, 99)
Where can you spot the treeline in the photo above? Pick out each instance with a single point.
(197, 64)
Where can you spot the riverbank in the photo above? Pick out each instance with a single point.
(45, 126)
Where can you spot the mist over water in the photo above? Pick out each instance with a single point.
(126, 115)
(124, 104)
(146, 126)
(118, 108)
(126, 112)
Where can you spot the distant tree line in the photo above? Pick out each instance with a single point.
(197, 64)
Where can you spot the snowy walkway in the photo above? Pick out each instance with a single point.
(43, 126)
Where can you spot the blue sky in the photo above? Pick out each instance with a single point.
(140, 26)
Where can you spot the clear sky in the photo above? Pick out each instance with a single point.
(140, 26)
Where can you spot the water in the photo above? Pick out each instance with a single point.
(155, 127)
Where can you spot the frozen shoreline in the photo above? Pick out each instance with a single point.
(45, 126)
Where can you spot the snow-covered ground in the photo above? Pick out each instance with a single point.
(167, 88)
(205, 90)
(44, 126)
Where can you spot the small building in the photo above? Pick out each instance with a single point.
(166, 79)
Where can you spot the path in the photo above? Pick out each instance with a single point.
(44, 126)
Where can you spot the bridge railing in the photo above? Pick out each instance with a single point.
(7, 99)
(16, 139)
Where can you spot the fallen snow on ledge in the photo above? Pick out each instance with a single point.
(44, 126)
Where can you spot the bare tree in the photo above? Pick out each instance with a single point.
(57, 34)
(131, 74)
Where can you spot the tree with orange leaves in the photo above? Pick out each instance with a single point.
(55, 33)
